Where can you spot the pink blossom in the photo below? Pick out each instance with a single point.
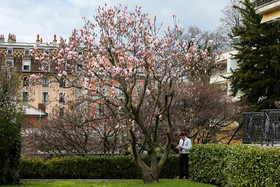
(148, 91)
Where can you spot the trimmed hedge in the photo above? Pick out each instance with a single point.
(235, 165)
(222, 165)
(91, 167)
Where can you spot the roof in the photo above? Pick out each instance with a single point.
(32, 111)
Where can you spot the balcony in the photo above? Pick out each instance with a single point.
(262, 2)
(270, 9)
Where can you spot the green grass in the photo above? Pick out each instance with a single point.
(119, 183)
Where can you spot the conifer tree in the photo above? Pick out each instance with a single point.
(11, 118)
(258, 72)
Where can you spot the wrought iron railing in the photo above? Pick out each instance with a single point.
(261, 2)
(261, 127)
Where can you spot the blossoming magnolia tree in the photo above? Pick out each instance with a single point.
(126, 66)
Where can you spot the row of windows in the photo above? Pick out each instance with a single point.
(45, 97)
(26, 65)
(45, 82)
(26, 52)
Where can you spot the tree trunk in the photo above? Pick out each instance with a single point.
(150, 175)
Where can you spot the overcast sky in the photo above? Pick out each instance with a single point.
(27, 18)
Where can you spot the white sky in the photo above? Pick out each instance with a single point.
(27, 18)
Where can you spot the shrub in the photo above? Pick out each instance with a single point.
(91, 167)
(235, 165)
(222, 165)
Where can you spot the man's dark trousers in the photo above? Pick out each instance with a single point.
(184, 165)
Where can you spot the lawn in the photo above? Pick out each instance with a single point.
(119, 183)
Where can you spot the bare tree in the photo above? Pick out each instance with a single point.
(206, 113)
(218, 38)
(232, 17)
(70, 131)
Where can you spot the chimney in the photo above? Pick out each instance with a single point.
(38, 40)
(12, 38)
(42, 107)
(41, 40)
(2, 38)
(54, 39)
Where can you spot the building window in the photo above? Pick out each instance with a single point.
(61, 111)
(26, 65)
(25, 81)
(9, 62)
(62, 82)
(10, 51)
(79, 67)
(45, 82)
(64, 66)
(119, 92)
(101, 110)
(137, 89)
(25, 97)
(26, 52)
(45, 67)
(45, 97)
(61, 98)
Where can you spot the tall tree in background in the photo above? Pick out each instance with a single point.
(258, 72)
(123, 53)
(11, 117)
(231, 17)
(218, 38)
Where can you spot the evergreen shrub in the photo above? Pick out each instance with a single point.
(91, 167)
(223, 165)
(226, 165)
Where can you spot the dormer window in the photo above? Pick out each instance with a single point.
(10, 51)
(26, 65)
(26, 52)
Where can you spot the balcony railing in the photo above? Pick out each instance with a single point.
(261, 127)
(261, 2)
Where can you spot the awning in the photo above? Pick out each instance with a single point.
(270, 17)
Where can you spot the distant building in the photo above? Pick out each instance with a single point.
(44, 96)
(226, 63)
(270, 9)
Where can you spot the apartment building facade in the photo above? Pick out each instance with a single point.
(40, 99)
